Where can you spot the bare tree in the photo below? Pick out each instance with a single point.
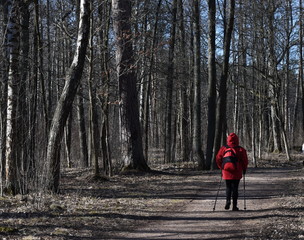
(63, 108)
(94, 130)
(3, 88)
(83, 147)
(169, 94)
(211, 82)
(273, 78)
(25, 166)
(301, 78)
(221, 120)
(147, 103)
(132, 149)
(13, 33)
(197, 152)
(183, 96)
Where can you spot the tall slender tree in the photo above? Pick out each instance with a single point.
(13, 34)
(147, 103)
(104, 15)
(63, 108)
(211, 82)
(183, 95)
(274, 85)
(94, 131)
(169, 89)
(301, 76)
(221, 120)
(82, 132)
(22, 104)
(3, 88)
(197, 152)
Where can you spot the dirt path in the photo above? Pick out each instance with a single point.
(274, 201)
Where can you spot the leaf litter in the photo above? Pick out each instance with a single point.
(100, 209)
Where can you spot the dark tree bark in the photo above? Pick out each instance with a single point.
(183, 96)
(211, 83)
(24, 127)
(82, 132)
(169, 97)
(301, 77)
(40, 65)
(147, 107)
(83, 146)
(49, 82)
(274, 85)
(94, 131)
(197, 152)
(132, 149)
(104, 15)
(221, 120)
(67, 97)
(68, 139)
(33, 93)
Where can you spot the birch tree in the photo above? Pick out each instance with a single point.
(12, 97)
(66, 99)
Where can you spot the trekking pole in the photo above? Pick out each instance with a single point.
(219, 187)
(244, 194)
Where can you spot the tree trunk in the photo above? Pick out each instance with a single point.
(169, 88)
(298, 91)
(82, 132)
(12, 98)
(211, 83)
(3, 96)
(23, 158)
(273, 82)
(184, 106)
(149, 84)
(222, 107)
(40, 66)
(67, 97)
(68, 139)
(104, 14)
(132, 149)
(83, 147)
(49, 68)
(94, 132)
(301, 62)
(197, 152)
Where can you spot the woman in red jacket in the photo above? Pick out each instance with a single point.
(233, 161)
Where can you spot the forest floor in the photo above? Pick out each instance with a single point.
(174, 202)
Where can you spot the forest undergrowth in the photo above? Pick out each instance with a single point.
(87, 209)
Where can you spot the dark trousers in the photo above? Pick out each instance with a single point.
(232, 189)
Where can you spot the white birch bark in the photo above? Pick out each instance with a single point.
(66, 99)
(13, 80)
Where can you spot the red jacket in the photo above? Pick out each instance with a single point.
(241, 154)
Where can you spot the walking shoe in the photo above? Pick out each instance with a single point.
(235, 209)
(227, 206)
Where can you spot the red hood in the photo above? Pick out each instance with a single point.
(232, 140)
